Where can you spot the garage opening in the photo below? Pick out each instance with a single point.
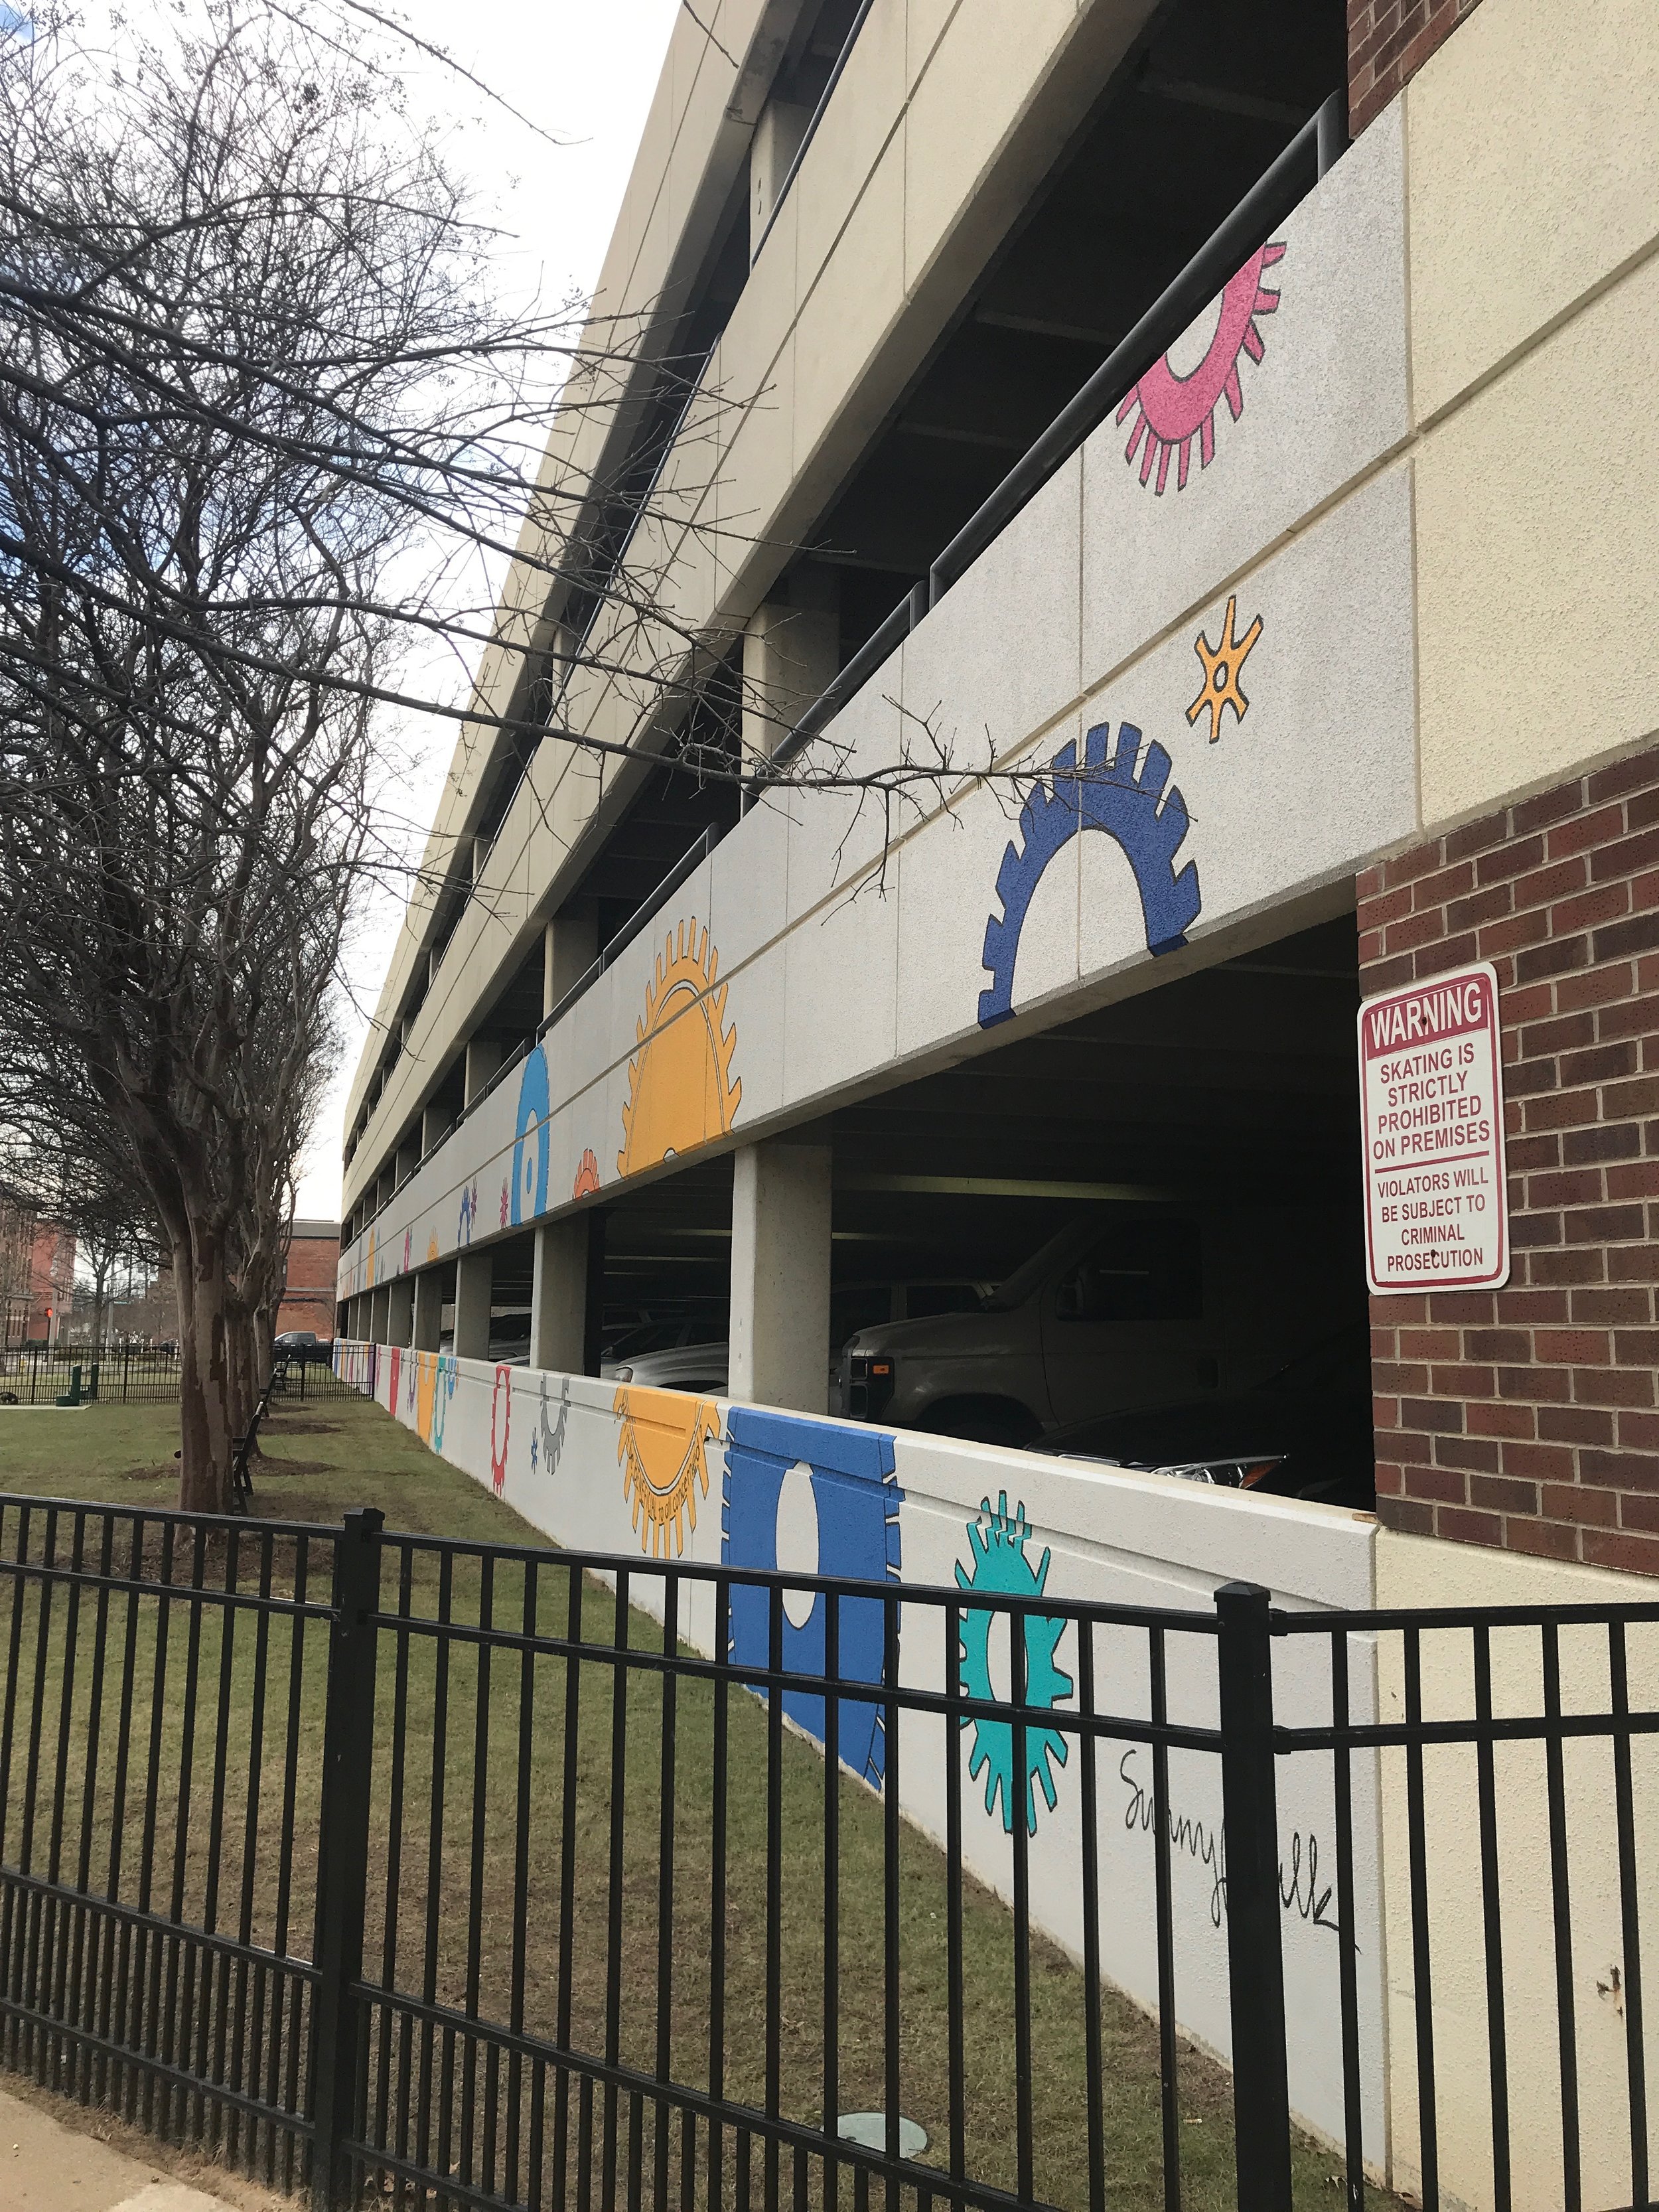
(1136, 1235)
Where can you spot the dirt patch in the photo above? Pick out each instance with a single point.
(282, 1426)
(272, 1463)
(167, 1472)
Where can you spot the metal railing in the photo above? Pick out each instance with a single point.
(453, 1871)
(120, 1374)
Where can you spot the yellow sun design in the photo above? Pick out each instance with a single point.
(681, 1090)
(663, 1449)
(426, 1392)
(432, 1248)
(1224, 663)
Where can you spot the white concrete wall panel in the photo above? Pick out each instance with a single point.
(1412, 1571)
(1294, 383)
(1528, 531)
(1534, 140)
(652, 1475)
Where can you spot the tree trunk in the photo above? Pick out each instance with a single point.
(204, 1376)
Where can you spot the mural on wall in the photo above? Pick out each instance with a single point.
(409, 1250)
(368, 1263)
(395, 1363)
(469, 1213)
(587, 1175)
(426, 1390)
(500, 1426)
(663, 1448)
(432, 1248)
(820, 1499)
(1223, 663)
(1173, 410)
(1143, 813)
(681, 1090)
(532, 1136)
(997, 1541)
(443, 1390)
(547, 1443)
(411, 1382)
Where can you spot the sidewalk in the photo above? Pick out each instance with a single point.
(45, 2167)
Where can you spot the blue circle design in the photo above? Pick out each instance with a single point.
(1143, 815)
(858, 1498)
(530, 1166)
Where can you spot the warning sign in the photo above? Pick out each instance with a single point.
(1432, 1094)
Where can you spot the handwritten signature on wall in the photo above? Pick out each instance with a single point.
(1301, 1893)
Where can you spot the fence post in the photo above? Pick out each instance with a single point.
(1255, 1965)
(343, 1855)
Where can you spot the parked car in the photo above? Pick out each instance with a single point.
(303, 1345)
(1112, 1308)
(1303, 1433)
(685, 1353)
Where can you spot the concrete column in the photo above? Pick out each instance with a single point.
(400, 1311)
(484, 1057)
(475, 1282)
(570, 948)
(429, 1309)
(380, 1313)
(558, 1295)
(780, 1275)
(772, 148)
(791, 654)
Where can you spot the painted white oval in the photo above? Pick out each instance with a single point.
(798, 1540)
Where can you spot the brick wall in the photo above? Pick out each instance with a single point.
(314, 1264)
(1529, 1417)
(1389, 42)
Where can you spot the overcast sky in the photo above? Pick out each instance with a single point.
(585, 74)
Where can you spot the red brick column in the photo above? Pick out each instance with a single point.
(1529, 1417)
(1389, 42)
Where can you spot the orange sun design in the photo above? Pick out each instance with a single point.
(681, 1090)
(663, 1445)
(587, 1175)
(1223, 664)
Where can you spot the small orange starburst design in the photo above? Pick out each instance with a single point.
(1224, 663)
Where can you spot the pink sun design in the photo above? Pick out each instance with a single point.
(1175, 410)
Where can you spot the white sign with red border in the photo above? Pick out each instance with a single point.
(1432, 1097)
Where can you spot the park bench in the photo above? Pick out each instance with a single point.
(241, 1482)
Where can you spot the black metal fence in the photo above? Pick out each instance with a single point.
(135, 1375)
(122, 1375)
(456, 1872)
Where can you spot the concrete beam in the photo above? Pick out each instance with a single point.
(781, 1201)
(569, 950)
(429, 1309)
(475, 1282)
(484, 1057)
(558, 1295)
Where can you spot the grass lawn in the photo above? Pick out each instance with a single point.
(483, 1768)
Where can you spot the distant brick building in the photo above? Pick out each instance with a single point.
(37, 1272)
(313, 1262)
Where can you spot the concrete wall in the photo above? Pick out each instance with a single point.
(652, 1475)
(648, 1476)
(1414, 1570)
